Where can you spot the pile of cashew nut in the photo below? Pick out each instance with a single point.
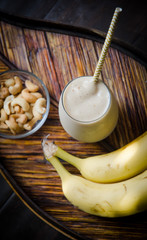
(20, 107)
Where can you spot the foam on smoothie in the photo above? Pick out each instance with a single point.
(86, 100)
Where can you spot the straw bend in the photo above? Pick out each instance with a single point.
(106, 43)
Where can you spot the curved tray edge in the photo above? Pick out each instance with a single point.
(36, 209)
(92, 34)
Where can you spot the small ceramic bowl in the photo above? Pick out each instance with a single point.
(24, 75)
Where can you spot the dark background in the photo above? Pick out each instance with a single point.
(16, 220)
(95, 14)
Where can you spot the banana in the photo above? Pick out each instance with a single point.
(107, 200)
(118, 165)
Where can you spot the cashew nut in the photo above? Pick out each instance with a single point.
(29, 125)
(14, 127)
(28, 96)
(31, 86)
(37, 94)
(17, 87)
(12, 109)
(4, 115)
(29, 114)
(4, 92)
(7, 104)
(40, 105)
(23, 108)
(36, 114)
(20, 118)
(19, 95)
(3, 126)
(21, 102)
(18, 109)
(9, 82)
(1, 103)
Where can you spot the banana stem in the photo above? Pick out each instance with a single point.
(49, 150)
(63, 173)
(75, 161)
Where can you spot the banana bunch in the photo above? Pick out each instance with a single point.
(118, 165)
(112, 196)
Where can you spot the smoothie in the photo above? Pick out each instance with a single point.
(85, 100)
(88, 110)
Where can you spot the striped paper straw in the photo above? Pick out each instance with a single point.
(106, 44)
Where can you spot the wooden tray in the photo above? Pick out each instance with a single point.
(56, 58)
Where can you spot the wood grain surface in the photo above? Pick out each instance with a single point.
(131, 29)
(57, 59)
